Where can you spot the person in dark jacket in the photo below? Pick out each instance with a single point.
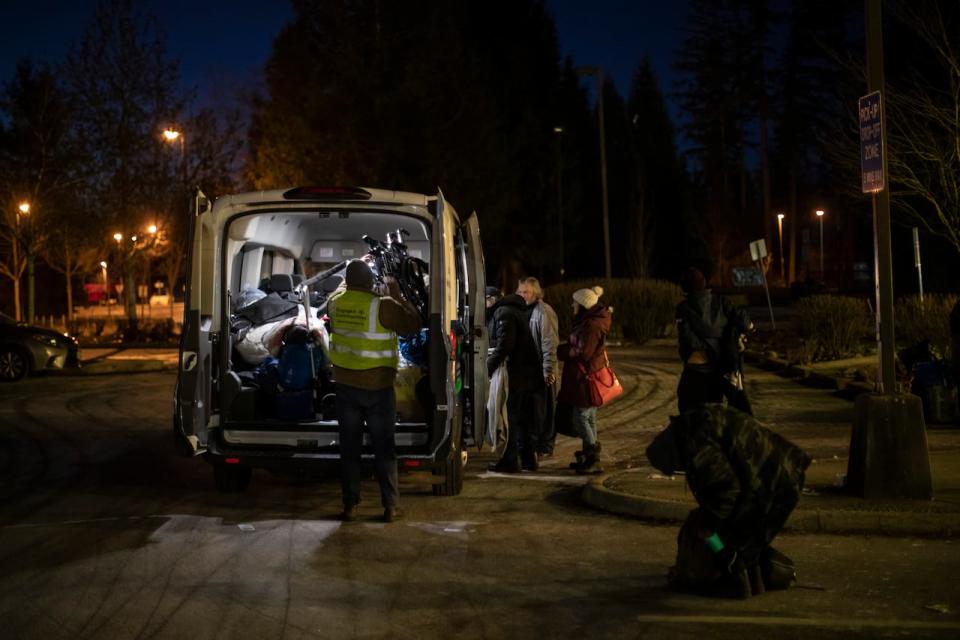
(709, 330)
(582, 355)
(512, 343)
(746, 480)
(543, 326)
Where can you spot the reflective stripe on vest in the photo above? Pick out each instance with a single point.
(357, 339)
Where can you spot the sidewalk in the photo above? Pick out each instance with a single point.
(824, 508)
(119, 360)
(818, 419)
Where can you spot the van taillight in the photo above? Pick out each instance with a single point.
(232, 460)
(453, 346)
(411, 463)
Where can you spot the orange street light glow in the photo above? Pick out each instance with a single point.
(24, 207)
(118, 237)
(152, 228)
(171, 134)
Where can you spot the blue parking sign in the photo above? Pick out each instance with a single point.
(871, 143)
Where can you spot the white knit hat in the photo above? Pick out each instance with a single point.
(587, 298)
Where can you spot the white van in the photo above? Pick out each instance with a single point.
(276, 241)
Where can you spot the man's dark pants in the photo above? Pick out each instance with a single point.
(523, 409)
(697, 388)
(379, 410)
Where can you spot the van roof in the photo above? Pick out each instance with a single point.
(327, 194)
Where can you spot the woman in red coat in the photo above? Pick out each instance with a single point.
(581, 356)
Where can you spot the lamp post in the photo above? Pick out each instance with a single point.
(820, 213)
(106, 284)
(24, 209)
(780, 217)
(598, 73)
(559, 133)
(17, 311)
(173, 135)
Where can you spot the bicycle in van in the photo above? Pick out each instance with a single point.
(259, 262)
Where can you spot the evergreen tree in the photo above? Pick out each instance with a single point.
(809, 99)
(662, 223)
(414, 96)
(724, 94)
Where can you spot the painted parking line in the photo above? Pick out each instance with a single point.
(574, 480)
(831, 623)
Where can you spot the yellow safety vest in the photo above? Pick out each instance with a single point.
(357, 339)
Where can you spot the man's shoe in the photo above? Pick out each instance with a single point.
(502, 466)
(391, 514)
(349, 514)
(530, 464)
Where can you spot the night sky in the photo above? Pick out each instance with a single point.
(223, 44)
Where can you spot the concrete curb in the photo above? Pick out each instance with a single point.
(807, 374)
(842, 521)
(108, 367)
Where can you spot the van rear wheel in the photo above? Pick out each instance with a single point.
(452, 472)
(231, 478)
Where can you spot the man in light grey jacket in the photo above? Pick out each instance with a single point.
(543, 326)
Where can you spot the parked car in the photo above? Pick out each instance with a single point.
(288, 245)
(27, 349)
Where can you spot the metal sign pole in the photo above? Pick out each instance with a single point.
(767, 289)
(758, 251)
(916, 260)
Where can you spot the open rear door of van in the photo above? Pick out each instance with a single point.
(476, 349)
(193, 391)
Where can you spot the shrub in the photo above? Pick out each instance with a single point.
(928, 321)
(834, 326)
(642, 309)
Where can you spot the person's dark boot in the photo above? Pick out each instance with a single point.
(528, 461)
(349, 513)
(756, 579)
(578, 460)
(591, 461)
(738, 585)
(392, 514)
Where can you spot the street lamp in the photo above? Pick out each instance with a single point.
(118, 237)
(173, 135)
(780, 217)
(24, 209)
(106, 285)
(559, 132)
(152, 229)
(820, 213)
(598, 73)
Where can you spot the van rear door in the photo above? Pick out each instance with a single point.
(193, 391)
(476, 341)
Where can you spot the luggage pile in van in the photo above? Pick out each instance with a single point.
(281, 348)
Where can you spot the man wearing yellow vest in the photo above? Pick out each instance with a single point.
(364, 352)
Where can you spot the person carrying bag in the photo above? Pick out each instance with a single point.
(587, 381)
